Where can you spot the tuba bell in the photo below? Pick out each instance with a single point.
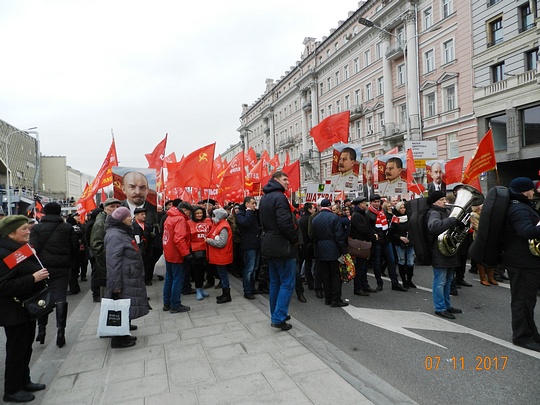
(449, 241)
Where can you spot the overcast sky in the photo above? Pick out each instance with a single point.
(77, 69)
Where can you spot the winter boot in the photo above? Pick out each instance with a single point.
(403, 276)
(200, 295)
(42, 328)
(61, 317)
(482, 274)
(410, 272)
(225, 297)
(490, 272)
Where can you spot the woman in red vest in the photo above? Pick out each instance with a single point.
(199, 226)
(220, 250)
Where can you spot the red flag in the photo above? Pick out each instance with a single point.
(392, 151)
(194, 170)
(85, 203)
(274, 162)
(332, 129)
(251, 158)
(412, 185)
(293, 172)
(482, 160)
(476, 183)
(265, 157)
(169, 159)
(156, 158)
(18, 256)
(231, 186)
(38, 208)
(103, 196)
(454, 170)
(104, 177)
(287, 160)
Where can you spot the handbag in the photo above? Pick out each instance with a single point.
(114, 317)
(359, 248)
(39, 304)
(275, 246)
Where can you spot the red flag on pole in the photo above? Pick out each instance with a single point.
(194, 170)
(232, 184)
(332, 129)
(156, 158)
(18, 256)
(287, 160)
(454, 170)
(412, 185)
(482, 160)
(293, 171)
(251, 158)
(274, 162)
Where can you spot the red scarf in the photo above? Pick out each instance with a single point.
(381, 222)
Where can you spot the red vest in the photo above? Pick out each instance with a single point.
(224, 255)
(199, 230)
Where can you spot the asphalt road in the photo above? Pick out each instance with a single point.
(396, 336)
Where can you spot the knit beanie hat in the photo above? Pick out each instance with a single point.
(52, 208)
(11, 224)
(435, 196)
(121, 213)
(521, 184)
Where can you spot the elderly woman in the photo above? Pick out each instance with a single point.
(125, 270)
(220, 250)
(22, 281)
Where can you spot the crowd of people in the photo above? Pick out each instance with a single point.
(280, 245)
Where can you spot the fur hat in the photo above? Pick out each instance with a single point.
(522, 184)
(11, 224)
(435, 196)
(121, 213)
(52, 208)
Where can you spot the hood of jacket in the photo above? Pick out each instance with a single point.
(273, 185)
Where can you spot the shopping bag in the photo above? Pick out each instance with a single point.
(159, 268)
(114, 318)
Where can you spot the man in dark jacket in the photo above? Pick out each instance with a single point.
(307, 250)
(361, 230)
(279, 234)
(522, 265)
(330, 244)
(439, 221)
(142, 232)
(247, 220)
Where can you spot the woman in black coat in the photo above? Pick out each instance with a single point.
(22, 281)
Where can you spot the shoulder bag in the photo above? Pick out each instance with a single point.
(359, 248)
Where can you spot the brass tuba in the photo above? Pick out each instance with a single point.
(449, 241)
(534, 246)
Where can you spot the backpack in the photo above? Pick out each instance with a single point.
(487, 246)
(418, 230)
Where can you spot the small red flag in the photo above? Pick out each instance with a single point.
(412, 185)
(18, 256)
(287, 160)
(332, 129)
(194, 170)
(482, 160)
(293, 172)
(454, 170)
(251, 158)
(156, 158)
(274, 162)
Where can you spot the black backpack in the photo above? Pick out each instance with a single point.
(418, 230)
(487, 246)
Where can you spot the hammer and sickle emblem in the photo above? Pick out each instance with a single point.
(203, 156)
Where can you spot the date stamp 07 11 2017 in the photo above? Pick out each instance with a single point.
(485, 363)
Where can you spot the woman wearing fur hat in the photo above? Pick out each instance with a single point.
(22, 281)
(220, 250)
(125, 270)
(57, 245)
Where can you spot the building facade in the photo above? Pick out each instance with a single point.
(61, 182)
(402, 68)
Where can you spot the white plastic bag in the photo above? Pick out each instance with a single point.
(159, 268)
(114, 318)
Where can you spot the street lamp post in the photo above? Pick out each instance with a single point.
(8, 171)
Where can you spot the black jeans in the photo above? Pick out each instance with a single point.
(19, 339)
(331, 280)
(523, 286)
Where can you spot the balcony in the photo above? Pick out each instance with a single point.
(356, 111)
(394, 52)
(511, 83)
(306, 107)
(287, 142)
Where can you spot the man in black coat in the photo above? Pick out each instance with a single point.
(522, 265)
(361, 230)
(142, 232)
(307, 250)
(330, 244)
(247, 219)
(279, 234)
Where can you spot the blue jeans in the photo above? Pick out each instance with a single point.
(224, 277)
(174, 280)
(442, 278)
(282, 274)
(251, 262)
(405, 255)
(387, 250)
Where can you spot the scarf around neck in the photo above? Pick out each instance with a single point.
(381, 221)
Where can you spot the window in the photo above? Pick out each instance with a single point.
(448, 48)
(327, 53)
(497, 72)
(356, 65)
(531, 59)
(403, 113)
(400, 34)
(495, 32)
(453, 146)
(380, 86)
(322, 113)
(369, 125)
(337, 78)
(336, 46)
(450, 96)
(322, 88)
(447, 7)
(338, 106)
(330, 110)
(428, 18)
(347, 102)
(328, 83)
(345, 72)
(380, 117)
(531, 122)
(498, 129)
(369, 94)
(430, 104)
(358, 129)
(357, 100)
(429, 60)
(378, 51)
(526, 18)
(367, 58)
(401, 74)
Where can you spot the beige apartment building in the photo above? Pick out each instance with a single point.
(404, 72)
